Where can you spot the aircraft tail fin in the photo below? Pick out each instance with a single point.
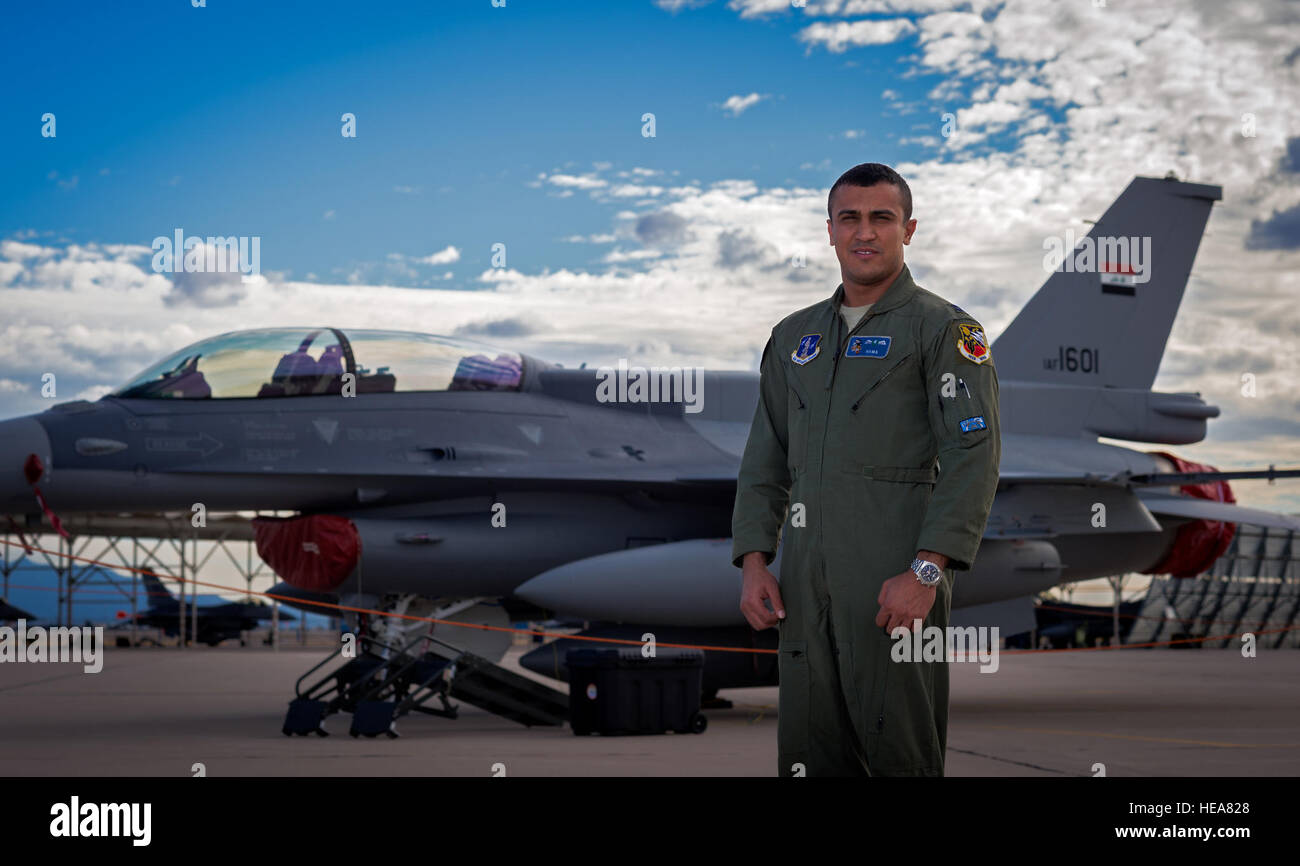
(155, 591)
(1103, 317)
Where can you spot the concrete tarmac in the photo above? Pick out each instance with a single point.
(159, 711)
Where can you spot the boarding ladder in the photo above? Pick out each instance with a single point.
(385, 682)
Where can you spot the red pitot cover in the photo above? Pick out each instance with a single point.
(316, 552)
(1198, 542)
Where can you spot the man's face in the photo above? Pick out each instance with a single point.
(868, 233)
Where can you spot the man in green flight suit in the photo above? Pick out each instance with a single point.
(873, 459)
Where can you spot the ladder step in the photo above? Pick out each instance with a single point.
(501, 691)
(378, 691)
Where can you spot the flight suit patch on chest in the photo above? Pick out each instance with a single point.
(809, 348)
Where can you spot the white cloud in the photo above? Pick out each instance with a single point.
(445, 256)
(955, 41)
(839, 36)
(758, 8)
(94, 392)
(737, 104)
(631, 255)
(676, 6)
(18, 251)
(632, 190)
(585, 181)
(125, 251)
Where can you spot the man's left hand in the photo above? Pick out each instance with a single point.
(903, 599)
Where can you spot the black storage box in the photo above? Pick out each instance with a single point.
(617, 691)
(305, 717)
(372, 718)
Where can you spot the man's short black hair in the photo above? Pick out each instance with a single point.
(870, 174)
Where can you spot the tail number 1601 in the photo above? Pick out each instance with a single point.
(1074, 359)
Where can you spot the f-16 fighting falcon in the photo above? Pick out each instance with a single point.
(432, 476)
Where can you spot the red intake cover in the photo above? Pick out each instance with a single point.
(1198, 542)
(316, 552)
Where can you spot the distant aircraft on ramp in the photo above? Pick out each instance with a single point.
(215, 622)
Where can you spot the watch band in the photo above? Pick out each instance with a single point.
(927, 573)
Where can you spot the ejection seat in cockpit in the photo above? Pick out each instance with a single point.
(299, 373)
(330, 363)
(186, 382)
(481, 373)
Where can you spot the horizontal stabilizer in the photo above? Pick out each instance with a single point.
(1204, 509)
(1068, 477)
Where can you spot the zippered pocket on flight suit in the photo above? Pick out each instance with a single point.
(794, 713)
(875, 701)
(802, 403)
(797, 423)
(872, 386)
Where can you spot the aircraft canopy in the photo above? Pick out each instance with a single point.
(295, 362)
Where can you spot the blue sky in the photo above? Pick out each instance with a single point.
(226, 120)
(521, 125)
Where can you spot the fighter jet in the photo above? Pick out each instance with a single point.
(9, 613)
(444, 477)
(215, 622)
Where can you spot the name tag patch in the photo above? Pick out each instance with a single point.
(976, 423)
(868, 347)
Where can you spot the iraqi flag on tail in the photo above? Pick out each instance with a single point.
(1118, 278)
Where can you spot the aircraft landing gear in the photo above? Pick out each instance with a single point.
(711, 701)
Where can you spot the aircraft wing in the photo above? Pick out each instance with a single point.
(1036, 477)
(1204, 509)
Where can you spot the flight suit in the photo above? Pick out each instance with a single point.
(865, 448)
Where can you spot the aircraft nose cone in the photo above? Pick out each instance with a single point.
(20, 438)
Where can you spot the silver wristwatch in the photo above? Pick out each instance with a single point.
(927, 572)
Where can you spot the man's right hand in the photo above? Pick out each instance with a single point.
(760, 585)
